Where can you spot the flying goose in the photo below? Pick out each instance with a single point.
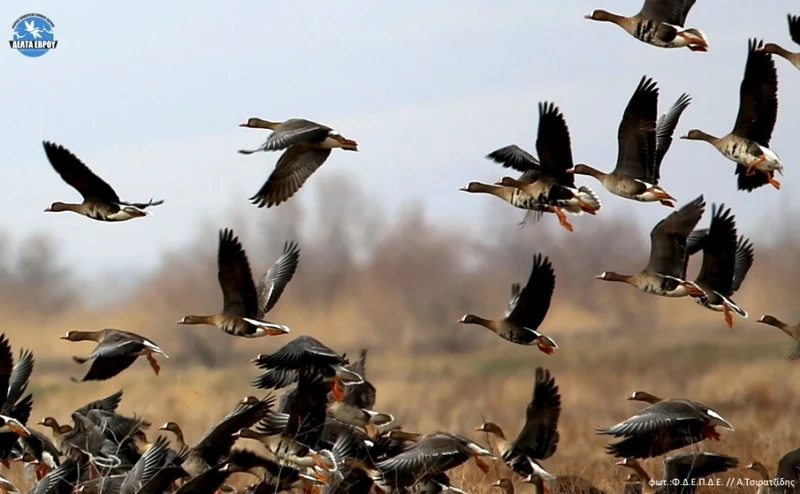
(309, 356)
(726, 261)
(643, 142)
(663, 426)
(355, 407)
(538, 438)
(659, 23)
(244, 303)
(307, 144)
(431, 455)
(100, 202)
(748, 143)
(526, 309)
(665, 273)
(547, 180)
(295, 444)
(116, 350)
(512, 195)
(792, 330)
(794, 31)
(216, 443)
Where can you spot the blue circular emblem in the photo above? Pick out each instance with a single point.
(32, 35)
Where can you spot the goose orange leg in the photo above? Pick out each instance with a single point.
(752, 167)
(482, 465)
(562, 219)
(336, 389)
(726, 312)
(586, 207)
(772, 181)
(692, 290)
(40, 471)
(153, 363)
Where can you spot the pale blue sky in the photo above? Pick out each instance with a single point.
(149, 94)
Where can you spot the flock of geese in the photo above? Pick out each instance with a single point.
(323, 435)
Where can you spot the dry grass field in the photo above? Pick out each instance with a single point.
(400, 293)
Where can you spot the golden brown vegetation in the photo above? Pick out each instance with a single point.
(398, 287)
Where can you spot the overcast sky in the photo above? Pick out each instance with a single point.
(149, 94)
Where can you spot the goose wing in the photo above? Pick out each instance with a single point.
(78, 175)
(235, 278)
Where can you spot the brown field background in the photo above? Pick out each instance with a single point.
(397, 284)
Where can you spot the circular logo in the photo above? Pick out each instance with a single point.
(32, 35)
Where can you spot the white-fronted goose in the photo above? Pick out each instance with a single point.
(295, 443)
(538, 438)
(643, 142)
(659, 23)
(726, 261)
(787, 478)
(309, 356)
(116, 350)
(665, 273)
(792, 330)
(513, 196)
(526, 309)
(217, 442)
(355, 407)
(549, 183)
(100, 202)
(431, 455)
(747, 144)
(43, 453)
(662, 427)
(794, 31)
(244, 305)
(682, 470)
(308, 144)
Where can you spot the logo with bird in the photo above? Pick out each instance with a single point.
(32, 35)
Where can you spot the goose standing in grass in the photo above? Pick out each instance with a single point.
(792, 330)
(726, 261)
(547, 180)
(665, 273)
(244, 305)
(538, 438)
(748, 143)
(643, 142)
(307, 144)
(663, 426)
(794, 31)
(116, 350)
(526, 309)
(787, 478)
(682, 470)
(659, 23)
(100, 202)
